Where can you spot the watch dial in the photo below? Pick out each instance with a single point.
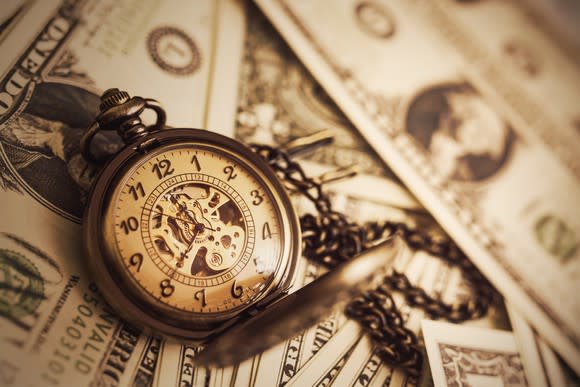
(197, 228)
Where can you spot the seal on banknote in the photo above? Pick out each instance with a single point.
(374, 19)
(22, 286)
(466, 140)
(173, 51)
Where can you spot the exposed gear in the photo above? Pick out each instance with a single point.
(191, 227)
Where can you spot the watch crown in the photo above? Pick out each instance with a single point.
(113, 97)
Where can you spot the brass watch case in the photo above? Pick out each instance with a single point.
(122, 292)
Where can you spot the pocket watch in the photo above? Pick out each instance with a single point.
(189, 233)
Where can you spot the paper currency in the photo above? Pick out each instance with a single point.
(453, 97)
(346, 357)
(57, 58)
(177, 366)
(528, 349)
(359, 363)
(461, 356)
(51, 85)
(264, 115)
(436, 277)
(273, 367)
(542, 366)
(276, 366)
(559, 374)
(146, 364)
(279, 101)
(323, 369)
(53, 317)
(364, 367)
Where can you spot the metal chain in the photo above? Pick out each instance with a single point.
(331, 239)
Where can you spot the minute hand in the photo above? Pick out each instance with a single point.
(181, 220)
(197, 229)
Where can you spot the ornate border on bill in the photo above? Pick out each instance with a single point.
(467, 356)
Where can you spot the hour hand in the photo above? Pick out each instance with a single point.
(198, 228)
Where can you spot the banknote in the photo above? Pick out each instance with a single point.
(144, 365)
(357, 363)
(280, 363)
(453, 97)
(438, 278)
(461, 356)
(364, 367)
(541, 364)
(558, 373)
(279, 100)
(53, 317)
(326, 366)
(528, 348)
(52, 77)
(177, 366)
(258, 88)
(272, 367)
(57, 58)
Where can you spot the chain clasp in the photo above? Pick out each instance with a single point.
(120, 112)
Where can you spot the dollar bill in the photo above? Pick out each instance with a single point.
(528, 349)
(435, 276)
(460, 356)
(177, 366)
(279, 101)
(53, 317)
(324, 367)
(558, 373)
(453, 97)
(542, 365)
(272, 367)
(57, 58)
(282, 363)
(349, 358)
(266, 67)
(364, 367)
(51, 84)
(276, 366)
(145, 364)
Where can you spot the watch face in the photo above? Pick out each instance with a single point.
(197, 227)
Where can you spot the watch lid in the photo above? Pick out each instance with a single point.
(300, 310)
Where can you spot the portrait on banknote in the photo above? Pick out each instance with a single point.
(40, 145)
(466, 139)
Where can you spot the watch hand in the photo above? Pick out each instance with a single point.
(197, 229)
(183, 208)
(184, 221)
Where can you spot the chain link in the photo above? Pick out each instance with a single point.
(331, 239)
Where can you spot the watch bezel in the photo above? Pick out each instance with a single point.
(119, 289)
